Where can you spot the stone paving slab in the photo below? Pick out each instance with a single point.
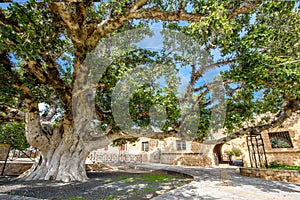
(225, 183)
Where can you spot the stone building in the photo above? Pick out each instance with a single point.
(171, 150)
(281, 144)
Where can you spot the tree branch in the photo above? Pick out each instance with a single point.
(155, 13)
(50, 114)
(33, 128)
(8, 21)
(287, 110)
(50, 78)
(203, 69)
(53, 79)
(109, 25)
(245, 7)
(12, 114)
(69, 19)
(113, 23)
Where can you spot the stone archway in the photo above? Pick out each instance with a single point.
(217, 151)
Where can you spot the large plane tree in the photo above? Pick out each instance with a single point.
(44, 45)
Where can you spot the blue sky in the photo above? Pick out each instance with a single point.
(5, 5)
(156, 43)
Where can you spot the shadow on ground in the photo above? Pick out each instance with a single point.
(101, 185)
(262, 184)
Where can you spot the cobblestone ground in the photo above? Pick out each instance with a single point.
(227, 184)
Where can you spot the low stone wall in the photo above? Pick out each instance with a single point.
(193, 160)
(13, 168)
(97, 167)
(189, 159)
(284, 156)
(272, 174)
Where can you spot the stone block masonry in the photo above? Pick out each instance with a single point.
(272, 174)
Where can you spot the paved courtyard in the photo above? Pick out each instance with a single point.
(217, 183)
(226, 183)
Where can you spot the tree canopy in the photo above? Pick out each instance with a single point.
(45, 45)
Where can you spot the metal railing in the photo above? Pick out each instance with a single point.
(115, 158)
(14, 154)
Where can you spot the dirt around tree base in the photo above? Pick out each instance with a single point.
(101, 186)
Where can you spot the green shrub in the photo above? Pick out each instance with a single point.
(277, 165)
(236, 151)
(229, 153)
(274, 164)
(13, 133)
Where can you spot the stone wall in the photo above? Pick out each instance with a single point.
(197, 154)
(189, 159)
(164, 151)
(193, 160)
(15, 168)
(272, 174)
(287, 156)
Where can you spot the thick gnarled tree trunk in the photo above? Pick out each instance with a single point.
(64, 163)
(63, 154)
(65, 147)
(63, 151)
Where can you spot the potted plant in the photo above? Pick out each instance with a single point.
(236, 151)
(230, 153)
(233, 152)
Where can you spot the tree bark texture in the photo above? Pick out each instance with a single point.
(66, 162)
(65, 147)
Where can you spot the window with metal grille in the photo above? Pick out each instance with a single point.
(181, 145)
(145, 146)
(280, 140)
